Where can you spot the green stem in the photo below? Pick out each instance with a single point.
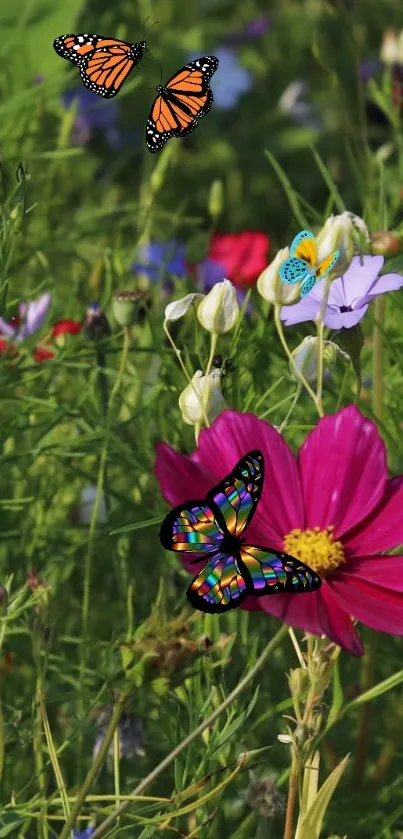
(273, 643)
(292, 796)
(94, 519)
(378, 357)
(300, 377)
(179, 357)
(293, 404)
(95, 768)
(319, 384)
(368, 662)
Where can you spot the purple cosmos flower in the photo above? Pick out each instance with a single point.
(160, 258)
(30, 319)
(349, 296)
(230, 80)
(93, 114)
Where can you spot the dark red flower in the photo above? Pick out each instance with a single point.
(242, 255)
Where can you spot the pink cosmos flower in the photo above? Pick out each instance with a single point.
(332, 506)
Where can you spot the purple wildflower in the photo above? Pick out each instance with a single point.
(85, 834)
(30, 319)
(349, 296)
(255, 28)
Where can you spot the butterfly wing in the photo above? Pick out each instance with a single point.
(104, 63)
(293, 270)
(323, 268)
(238, 495)
(303, 246)
(184, 100)
(219, 586)
(326, 265)
(274, 572)
(75, 48)
(193, 528)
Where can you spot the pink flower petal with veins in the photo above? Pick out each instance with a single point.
(342, 464)
(231, 436)
(383, 528)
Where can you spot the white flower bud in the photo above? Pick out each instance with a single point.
(389, 52)
(202, 398)
(306, 357)
(271, 287)
(342, 232)
(219, 311)
(178, 308)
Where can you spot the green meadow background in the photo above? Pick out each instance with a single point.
(104, 595)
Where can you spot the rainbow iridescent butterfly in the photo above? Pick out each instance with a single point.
(302, 265)
(214, 528)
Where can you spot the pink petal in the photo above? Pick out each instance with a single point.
(383, 571)
(378, 607)
(383, 529)
(318, 613)
(179, 477)
(230, 437)
(342, 465)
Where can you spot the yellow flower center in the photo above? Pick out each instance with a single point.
(317, 548)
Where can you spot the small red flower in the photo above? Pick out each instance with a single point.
(333, 507)
(242, 255)
(61, 327)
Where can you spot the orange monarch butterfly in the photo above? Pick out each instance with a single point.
(104, 63)
(184, 100)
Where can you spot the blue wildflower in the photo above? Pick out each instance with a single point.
(93, 114)
(160, 258)
(85, 834)
(230, 80)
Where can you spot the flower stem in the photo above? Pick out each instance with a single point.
(94, 519)
(292, 796)
(179, 357)
(368, 662)
(319, 384)
(95, 768)
(297, 372)
(378, 357)
(273, 643)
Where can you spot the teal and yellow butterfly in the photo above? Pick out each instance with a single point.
(214, 528)
(302, 265)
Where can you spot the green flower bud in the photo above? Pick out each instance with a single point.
(216, 200)
(126, 305)
(385, 243)
(306, 357)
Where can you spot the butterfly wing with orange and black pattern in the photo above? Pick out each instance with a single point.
(184, 100)
(104, 63)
